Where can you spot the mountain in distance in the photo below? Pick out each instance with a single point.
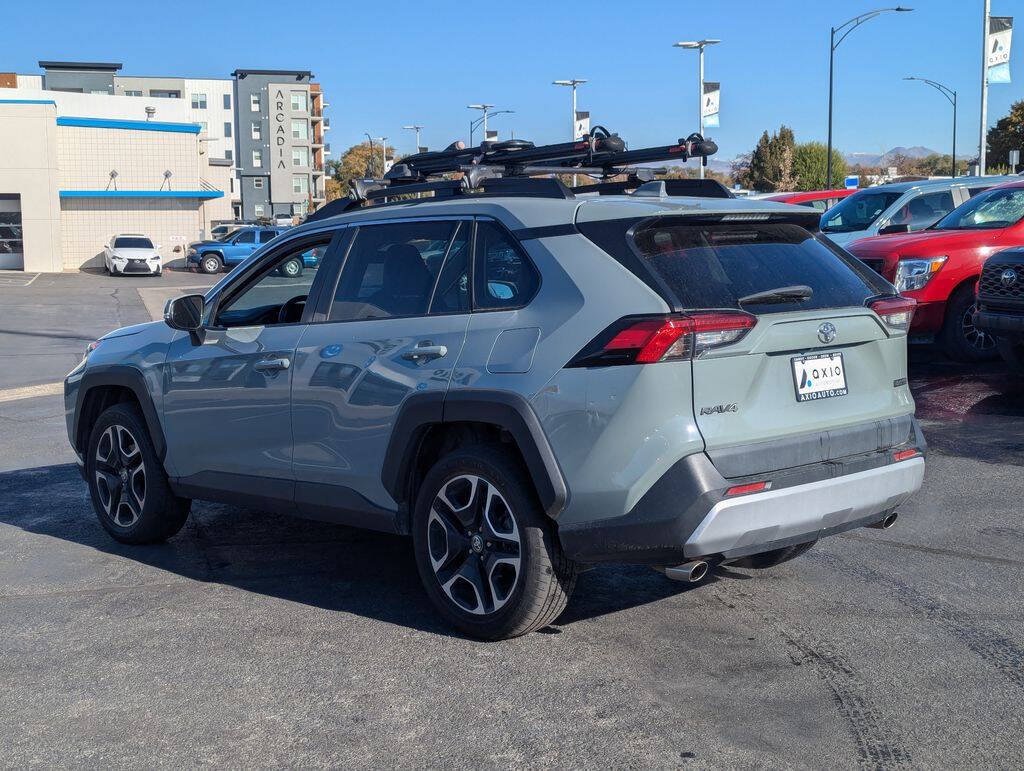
(884, 159)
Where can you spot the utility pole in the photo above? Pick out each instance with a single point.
(415, 128)
(983, 139)
(700, 45)
(572, 83)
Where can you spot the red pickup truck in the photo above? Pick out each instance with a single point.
(822, 200)
(939, 266)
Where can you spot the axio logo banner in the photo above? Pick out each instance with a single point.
(709, 106)
(997, 48)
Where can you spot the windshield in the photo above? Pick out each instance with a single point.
(998, 208)
(857, 212)
(226, 235)
(133, 242)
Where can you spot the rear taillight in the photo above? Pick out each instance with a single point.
(650, 339)
(896, 312)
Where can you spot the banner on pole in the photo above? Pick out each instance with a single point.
(710, 103)
(581, 126)
(997, 48)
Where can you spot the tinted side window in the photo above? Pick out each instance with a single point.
(503, 276)
(267, 235)
(391, 270)
(451, 294)
(922, 211)
(248, 237)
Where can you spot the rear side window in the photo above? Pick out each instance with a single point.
(266, 236)
(248, 237)
(714, 266)
(504, 277)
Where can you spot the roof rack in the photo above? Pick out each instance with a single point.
(510, 169)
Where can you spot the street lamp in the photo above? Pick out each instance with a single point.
(417, 130)
(700, 45)
(571, 83)
(483, 118)
(950, 94)
(849, 26)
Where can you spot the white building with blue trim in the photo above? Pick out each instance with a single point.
(77, 168)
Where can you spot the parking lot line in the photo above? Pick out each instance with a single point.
(31, 392)
(17, 279)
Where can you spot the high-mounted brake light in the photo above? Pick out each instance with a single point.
(896, 312)
(650, 339)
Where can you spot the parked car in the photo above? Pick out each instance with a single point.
(131, 253)
(675, 382)
(820, 200)
(284, 220)
(221, 229)
(234, 247)
(939, 266)
(1001, 305)
(900, 207)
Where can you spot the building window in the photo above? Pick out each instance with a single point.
(257, 182)
(198, 101)
(300, 184)
(257, 130)
(159, 93)
(257, 158)
(227, 101)
(299, 209)
(300, 156)
(132, 92)
(258, 210)
(300, 129)
(299, 101)
(228, 155)
(227, 130)
(254, 102)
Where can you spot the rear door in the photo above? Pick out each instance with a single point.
(817, 364)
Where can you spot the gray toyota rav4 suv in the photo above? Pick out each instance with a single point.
(527, 381)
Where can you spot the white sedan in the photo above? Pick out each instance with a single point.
(131, 253)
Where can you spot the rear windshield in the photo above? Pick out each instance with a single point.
(133, 242)
(857, 212)
(714, 266)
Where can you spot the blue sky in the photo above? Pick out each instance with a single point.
(387, 64)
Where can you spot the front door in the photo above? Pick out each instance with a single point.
(240, 247)
(226, 400)
(395, 327)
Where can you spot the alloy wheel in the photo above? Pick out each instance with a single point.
(211, 265)
(120, 476)
(291, 269)
(473, 544)
(976, 338)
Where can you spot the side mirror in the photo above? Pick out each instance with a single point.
(186, 314)
(903, 228)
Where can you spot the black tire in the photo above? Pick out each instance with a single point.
(114, 484)
(210, 263)
(544, 576)
(959, 338)
(1012, 352)
(291, 268)
(769, 559)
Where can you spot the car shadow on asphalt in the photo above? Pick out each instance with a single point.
(319, 564)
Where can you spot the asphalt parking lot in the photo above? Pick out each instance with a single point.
(256, 639)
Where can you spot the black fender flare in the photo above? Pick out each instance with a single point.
(125, 377)
(507, 410)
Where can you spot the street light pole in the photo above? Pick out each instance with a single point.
(983, 140)
(700, 45)
(415, 128)
(572, 83)
(483, 118)
(950, 95)
(370, 161)
(849, 26)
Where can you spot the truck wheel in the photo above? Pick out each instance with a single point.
(127, 482)
(960, 339)
(210, 263)
(1012, 352)
(487, 554)
(291, 268)
(769, 559)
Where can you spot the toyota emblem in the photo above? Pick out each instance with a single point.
(1008, 277)
(827, 332)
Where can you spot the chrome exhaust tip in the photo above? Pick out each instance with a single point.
(885, 522)
(690, 572)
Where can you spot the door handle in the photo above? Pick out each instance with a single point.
(271, 365)
(424, 352)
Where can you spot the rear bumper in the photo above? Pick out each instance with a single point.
(686, 514)
(1000, 324)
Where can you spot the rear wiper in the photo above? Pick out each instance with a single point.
(784, 294)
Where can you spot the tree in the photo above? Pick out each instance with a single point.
(771, 164)
(358, 162)
(1006, 135)
(810, 166)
